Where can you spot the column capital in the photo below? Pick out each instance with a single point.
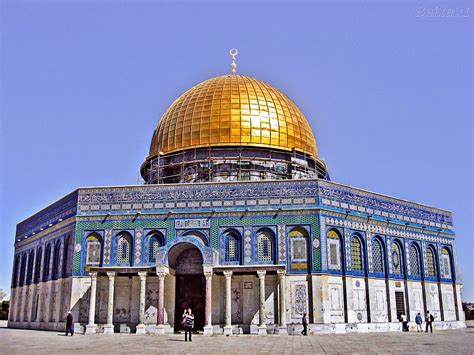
(228, 273)
(281, 273)
(93, 275)
(208, 275)
(111, 274)
(161, 275)
(142, 275)
(261, 273)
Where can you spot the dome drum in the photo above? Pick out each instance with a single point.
(222, 164)
(232, 128)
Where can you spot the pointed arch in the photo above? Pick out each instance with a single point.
(155, 240)
(46, 262)
(446, 264)
(232, 246)
(298, 238)
(15, 271)
(265, 246)
(123, 250)
(56, 271)
(94, 248)
(357, 253)
(335, 249)
(378, 256)
(24, 259)
(431, 270)
(29, 273)
(39, 255)
(415, 260)
(398, 265)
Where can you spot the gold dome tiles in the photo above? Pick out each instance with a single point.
(233, 110)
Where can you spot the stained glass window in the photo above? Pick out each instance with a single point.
(123, 251)
(377, 256)
(94, 250)
(356, 254)
(232, 248)
(334, 243)
(264, 247)
(414, 261)
(298, 251)
(396, 259)
(431, 262)
(47, 258)
(446, 263)
(153, 248)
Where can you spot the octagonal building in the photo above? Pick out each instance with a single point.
(238, 219)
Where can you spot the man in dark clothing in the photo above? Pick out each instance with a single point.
(429, 320)
(305, 325)
(188, 324)
(69, 324)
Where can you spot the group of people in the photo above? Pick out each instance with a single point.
(187, 322)
(429, 319)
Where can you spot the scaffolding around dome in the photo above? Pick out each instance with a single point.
(222, 164)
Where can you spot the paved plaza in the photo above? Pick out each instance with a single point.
(34, 341)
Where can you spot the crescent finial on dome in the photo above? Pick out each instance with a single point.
(233, 52)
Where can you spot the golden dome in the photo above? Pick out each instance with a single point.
(233, 110)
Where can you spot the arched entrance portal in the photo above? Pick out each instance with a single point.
(187, 261)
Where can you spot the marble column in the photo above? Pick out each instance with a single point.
(262, 327)
(141, 311)
(208, 308)
(109, 327)
(281, 281)
(91, 328)
(228, 303)
(161, 303)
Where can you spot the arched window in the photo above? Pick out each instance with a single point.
(415, 261)
(15, 271)
(265, 247)
(298, 238)
(23, 270)
(430, 259)
(397, 259)
(94, 250)
(29, 274)
(56, 261)
(46, 262)
(123, 249)
(356, 257)
(232, 248)
(445, 264)
(155, 241)
(377, 256)
(334, 250)
(67, 258)
(39, 254)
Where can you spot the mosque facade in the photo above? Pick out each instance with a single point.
(239, 220)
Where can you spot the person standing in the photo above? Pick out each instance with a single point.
(403, 317)
(69, 324)
(429, 320)
(419, 321)
(188, 318)
(305, 324)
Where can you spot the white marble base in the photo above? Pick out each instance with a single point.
(108, 329)
(91, 329)
(141, 329)
(282, 331)
(262, 330)
(208, 330)
(228, 330)
(160, 329)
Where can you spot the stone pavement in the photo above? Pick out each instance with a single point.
(33, 341)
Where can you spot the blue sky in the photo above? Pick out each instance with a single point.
(388, 93)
